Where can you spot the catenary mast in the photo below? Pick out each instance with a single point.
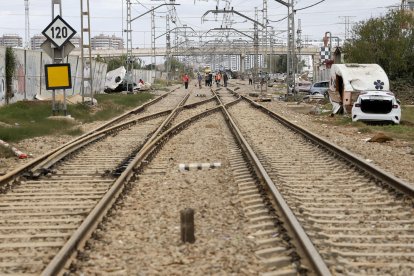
(27, 24)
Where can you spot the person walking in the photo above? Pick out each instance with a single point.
(225, 79)
(250, 79)
(199, 78)
(210, 79)
(218, 79)
(186, 79)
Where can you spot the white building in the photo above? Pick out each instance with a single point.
(75, 40)
(11, 40)
(107, 42)
(36, 41)
(249, 62)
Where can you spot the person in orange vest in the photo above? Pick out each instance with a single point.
(218, 79)
(186, 79)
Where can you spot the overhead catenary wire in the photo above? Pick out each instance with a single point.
(310, 6)
(307, 7)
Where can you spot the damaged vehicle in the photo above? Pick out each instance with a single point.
(114, 80)
(347, 81)
(376, 106)
(117, 81)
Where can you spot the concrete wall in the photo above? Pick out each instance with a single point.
(145, 75)
(2, 74)
(29, 80)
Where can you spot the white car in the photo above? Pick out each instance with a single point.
(376, 106)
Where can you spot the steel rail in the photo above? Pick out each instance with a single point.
(372, 170)
(9, 177)
(136, 110)
(44, 166)
(166, 122)
(304, 242)
(63, 152)
(90, 223)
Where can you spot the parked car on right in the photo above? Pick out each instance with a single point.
(376, 106)
(320, 87)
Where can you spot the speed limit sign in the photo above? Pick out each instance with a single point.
(59, 32)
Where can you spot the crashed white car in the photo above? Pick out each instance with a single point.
(376, 106)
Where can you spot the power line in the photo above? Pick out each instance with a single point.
(310, 6)
(197, 17)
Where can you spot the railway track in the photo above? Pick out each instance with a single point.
(359, 219)
(223, 197)
(38, 214)
(309, 208)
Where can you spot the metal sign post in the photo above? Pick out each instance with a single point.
(57, 46)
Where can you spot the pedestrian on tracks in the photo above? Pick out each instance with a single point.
(225, 79)
(250, 79)
(210, 79)
(218, 79)
(199, 78)
(186, 79)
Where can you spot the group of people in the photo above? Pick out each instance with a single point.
(208, 78)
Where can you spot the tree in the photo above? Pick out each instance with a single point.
(10, 71)
(387, 41)
(281, 64)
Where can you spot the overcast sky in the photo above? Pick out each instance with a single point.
(106, 16)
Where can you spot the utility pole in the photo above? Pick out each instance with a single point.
(272, 42)
(256, 49)
(27, 24)
(255, 36)
(290, 78)
(291, 45)
(265, 32)
(130, 58)
(153, 58)
(56, 57)
(168, 48)
(299, 43)
(86, 51)
(347, 24)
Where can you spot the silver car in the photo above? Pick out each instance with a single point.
(320, 87)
